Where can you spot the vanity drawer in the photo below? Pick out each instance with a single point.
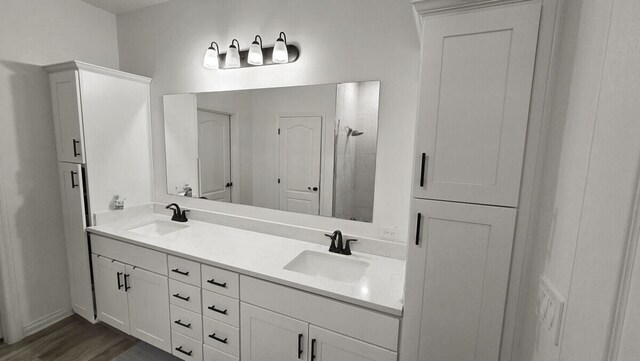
(186, 322)
(185, 347)
(184, 295)
(221, 281)
(221, 336)
(222, 308)
(148, 259)
(184, 270)
(211, 354)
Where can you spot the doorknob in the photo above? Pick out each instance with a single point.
(230, 184)
(315, 189)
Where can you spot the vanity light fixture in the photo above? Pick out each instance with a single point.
(255, 52)
(256, 55)
(232, 59)
(280, 53)
(211, 60)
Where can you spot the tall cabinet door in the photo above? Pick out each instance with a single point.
(330, 346)
(477, 71)
(67, 116)
(457, 274)
(149, 307)
(72, 191)
(111, 292)
(268, 336)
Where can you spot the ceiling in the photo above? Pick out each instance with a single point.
(123, 6)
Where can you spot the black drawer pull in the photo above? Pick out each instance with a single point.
(213, 282)
(179, 322)
(313, 349)
(213, 336)
(213, 308)
(177, 295)
(119, 281)
(179, 349)
(422, 169)
(75, 149)
(177, 270)
(73, 179)
(126, 284)
(418, 226)
(300, 345)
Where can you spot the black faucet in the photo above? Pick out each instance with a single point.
(178, 215)
(338, 247)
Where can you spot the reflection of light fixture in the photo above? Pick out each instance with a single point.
(280, 52)
(233, 55)
(256, 55)
(211, 57)
(255, 52)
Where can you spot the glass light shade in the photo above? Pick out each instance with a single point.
(233, 58)
(211, 59)
(280, 53)
(255, 54)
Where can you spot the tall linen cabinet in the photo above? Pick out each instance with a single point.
(476, 79)
(103, 140)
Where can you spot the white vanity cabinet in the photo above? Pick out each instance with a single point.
(477, 71)
(289, 324)
(132, 290)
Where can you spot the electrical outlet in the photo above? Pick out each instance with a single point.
(550, 310)
(389, 233)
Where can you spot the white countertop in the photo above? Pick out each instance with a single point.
(264, 256)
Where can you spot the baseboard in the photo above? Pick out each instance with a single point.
(46, 321)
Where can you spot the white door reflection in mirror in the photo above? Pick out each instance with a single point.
(214, 159)
(299, 163)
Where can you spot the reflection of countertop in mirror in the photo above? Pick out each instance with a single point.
(264, 256)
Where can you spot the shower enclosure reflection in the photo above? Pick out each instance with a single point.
(305, 149)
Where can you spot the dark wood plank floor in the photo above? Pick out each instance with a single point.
(70, 339)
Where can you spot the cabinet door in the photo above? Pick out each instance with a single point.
(67, 116)
(111, 296)
(477, 71)
(149, 307)
(73, 214)
(330, 346)
(268, 336)
(457, 273)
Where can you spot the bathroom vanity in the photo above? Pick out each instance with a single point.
(208, 292)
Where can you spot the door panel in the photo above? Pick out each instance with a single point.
(67, 116)
(214, 154)
(149, 307)
(330, 346)
(268, 336)
(111, 297)
(299, 164)
(457, 274)
(474, 104)
(78, 257)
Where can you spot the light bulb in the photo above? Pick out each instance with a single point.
(211, 57)
(280, 53)
(233, 56)
(255, 52)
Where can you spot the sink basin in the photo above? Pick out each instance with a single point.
(158, 228)
(333, 267)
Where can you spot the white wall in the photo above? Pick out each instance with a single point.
(588, 181)
(35, 33)
(339, 41)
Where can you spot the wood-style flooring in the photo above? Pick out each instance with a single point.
(70, 339)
